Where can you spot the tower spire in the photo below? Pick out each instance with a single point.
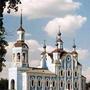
(44, 46)
(21, 31)
(56, 43)
(21, 19)
(74, 45)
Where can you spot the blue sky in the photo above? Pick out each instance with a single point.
(39, 20)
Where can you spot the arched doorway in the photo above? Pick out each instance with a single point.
(12, 84)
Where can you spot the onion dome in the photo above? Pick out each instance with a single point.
(21, 44)
(74, 52)
(44, 47)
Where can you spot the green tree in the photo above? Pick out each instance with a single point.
(12, 4)
(3, 84)
(87, 86)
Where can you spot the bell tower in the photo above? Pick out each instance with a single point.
(59, 40)
(20, 49)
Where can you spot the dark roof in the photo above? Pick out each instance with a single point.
(79, 63)
(44, 52)
(61, 51)
(59, 40)
(51, 55)
(57, 50)
(40, 71)
(74, 52)
(20, 44)
(83, 76)
(21, 29)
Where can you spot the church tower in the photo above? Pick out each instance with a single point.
(43, 57)
(20, 50)
(59, 41)
(19, 61)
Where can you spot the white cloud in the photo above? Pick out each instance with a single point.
(86, 73)
(47, 8)
(83, 54)
(69, 24)
(27, 34)
(33, 45)
(48, 48)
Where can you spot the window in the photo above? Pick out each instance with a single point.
(47, 83)
(61, 83)
(68, 58)
(68, 73)
(23, 57)
(39, 83)
(75, 84)
(12, 84)
(61, 72)
(18, 57)
(32, 83)
(75, 73)
(68, 86)
(53, 83)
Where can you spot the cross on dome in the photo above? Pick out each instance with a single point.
(59, 32)
(74, 45)
(44, 46)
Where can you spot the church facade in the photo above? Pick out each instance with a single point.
(58, 70)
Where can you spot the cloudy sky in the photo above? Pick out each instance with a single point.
(41, 21)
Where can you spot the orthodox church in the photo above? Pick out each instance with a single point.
(58, 70)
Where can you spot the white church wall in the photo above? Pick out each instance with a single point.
(13, 76)
(24, 81)
(50, 65)
(19, 80)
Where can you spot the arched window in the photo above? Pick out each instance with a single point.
(75, 73)
(47, 83)
(61, 72)
(23, 57)
(53, 83)
(32, 82)
(68, 73)
(75, 84)
(12, 84)
(18, 57)
(39, 83)
(61, 84)
(68, 86)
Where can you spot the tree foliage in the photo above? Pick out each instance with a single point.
(88, 86)
(12, 4)
(3, 84)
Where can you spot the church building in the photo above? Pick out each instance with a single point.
(58, 70)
